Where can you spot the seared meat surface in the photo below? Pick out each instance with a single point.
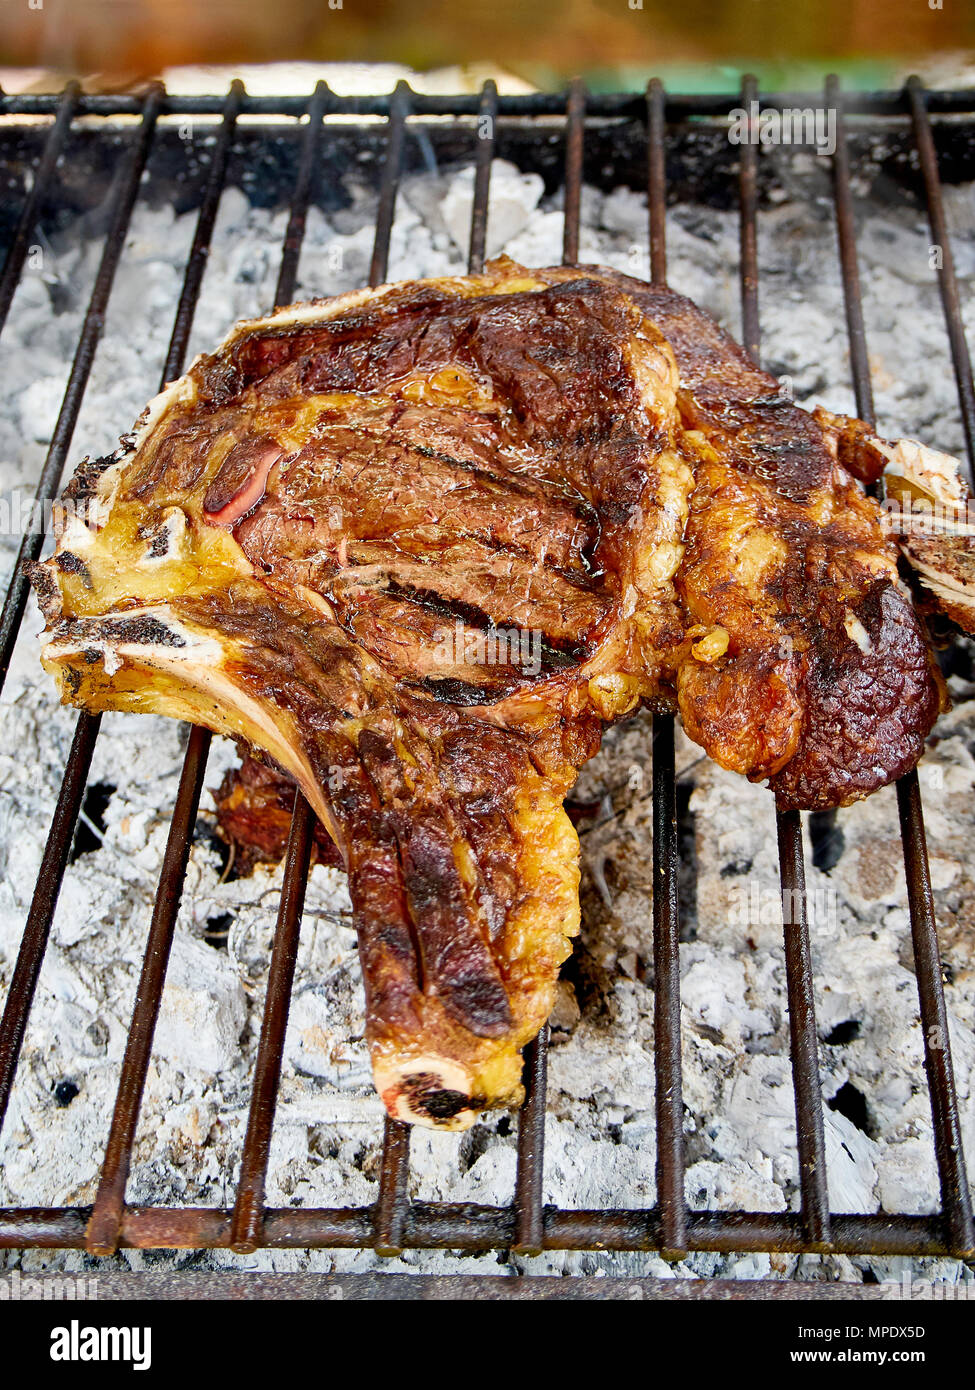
(827, 686)
(418, 544)
(254, 804)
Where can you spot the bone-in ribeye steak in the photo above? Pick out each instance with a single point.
(417, 544)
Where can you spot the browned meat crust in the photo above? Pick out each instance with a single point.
(415, 545)
(419, 543)
(828, 686)
(254, 803)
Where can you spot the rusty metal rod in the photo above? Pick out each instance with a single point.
(955, 1198)
(529, 1175)
(669, 1101)
(887, 105)
(295, 234)
(248, 1213)
(391, 1205)
(123, 198)
(956, 1202)
(748, 229)
(947, 280)
(103, 1230)
(389, 1212)
(196, 263)
(43, 174)
(33, 943)
(487, 117)
(249, 1206)
(470, 1227)
(804, 1045)
(399, 109)
(849, 266)
(575, 132)
(530, 1171)
(657, 180)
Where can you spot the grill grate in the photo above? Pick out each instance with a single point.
(392, 1222)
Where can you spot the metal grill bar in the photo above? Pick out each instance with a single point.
(487, 116)
(657, 180)
(288, 273)
(249, 1208)
(802, 1014)
(947, 282)
(53, 149)
(58, 845)
(620, 105)
(574, 137)
(33, 944)
(248, 1212)
(466, 1227)
(389, 1213)
(393, 1199)
(396, 137)
(956, 1202)
(849, 266)
(748, 231)
(955, 1194)
(103, 1229)
(669, 1101)
(666, 996)
(802, 1031)
(125, 194)
(955, 1197)
(102, 1236)
(530, 1171)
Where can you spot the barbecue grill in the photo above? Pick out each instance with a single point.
(931, 119)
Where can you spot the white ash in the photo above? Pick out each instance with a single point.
(741, 1148)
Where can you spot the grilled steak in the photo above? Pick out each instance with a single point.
(419, 543)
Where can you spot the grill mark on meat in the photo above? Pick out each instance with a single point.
(556, 654)
(475, 763)
(378, 764)
(507, 481)
(441, 607)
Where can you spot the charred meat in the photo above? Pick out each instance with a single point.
(419, 544)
